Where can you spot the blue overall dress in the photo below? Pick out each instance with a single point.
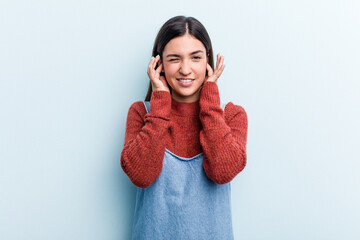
(183, 203)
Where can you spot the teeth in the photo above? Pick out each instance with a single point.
(185, 80)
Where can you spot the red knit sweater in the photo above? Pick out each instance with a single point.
(185, 129)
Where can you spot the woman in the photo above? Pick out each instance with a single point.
(182, 147)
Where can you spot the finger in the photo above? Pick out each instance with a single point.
(220, 62)
(150, 65)
(217, 60)
(209, 69)
(217, 68)
(158, 70)
(153, 65)
(156, 59)
(220, 70)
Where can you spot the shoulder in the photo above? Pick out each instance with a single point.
(232, 111)
(137, 109)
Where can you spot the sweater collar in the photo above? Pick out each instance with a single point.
(185, 109)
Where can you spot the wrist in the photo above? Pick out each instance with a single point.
(160, 89)
(209, 94)
(160, 103)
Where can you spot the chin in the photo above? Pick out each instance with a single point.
(186, 92)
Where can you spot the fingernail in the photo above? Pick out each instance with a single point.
(149, 66)
(157, 55)
(152, 57)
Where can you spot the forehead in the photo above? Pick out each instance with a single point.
(185, 44)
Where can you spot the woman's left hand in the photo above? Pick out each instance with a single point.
(213, 76)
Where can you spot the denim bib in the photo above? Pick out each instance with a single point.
(183, 203)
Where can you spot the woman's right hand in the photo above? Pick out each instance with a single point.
(158, 82)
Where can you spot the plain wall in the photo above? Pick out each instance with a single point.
(69, 71)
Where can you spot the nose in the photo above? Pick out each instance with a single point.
(185, 68)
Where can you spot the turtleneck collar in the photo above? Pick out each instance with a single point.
(185, 109)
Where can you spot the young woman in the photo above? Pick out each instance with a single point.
(182, 145)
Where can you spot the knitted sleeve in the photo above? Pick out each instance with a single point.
(223, 137)
(144, 146)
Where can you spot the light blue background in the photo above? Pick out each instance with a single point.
(69, 70)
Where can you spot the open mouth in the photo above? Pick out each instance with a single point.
(185, 81)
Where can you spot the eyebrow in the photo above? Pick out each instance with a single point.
(176, 55)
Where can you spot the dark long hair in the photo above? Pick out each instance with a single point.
(176, 27)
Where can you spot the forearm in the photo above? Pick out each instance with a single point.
(224, 156)
(223, 138)
(144, 147)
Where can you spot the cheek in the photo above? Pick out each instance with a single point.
(169, 69)
(201, 69)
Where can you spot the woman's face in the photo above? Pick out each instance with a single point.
(184, 61)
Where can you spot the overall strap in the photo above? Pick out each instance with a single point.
(147, 106)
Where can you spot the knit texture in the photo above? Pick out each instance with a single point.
(186, 129)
